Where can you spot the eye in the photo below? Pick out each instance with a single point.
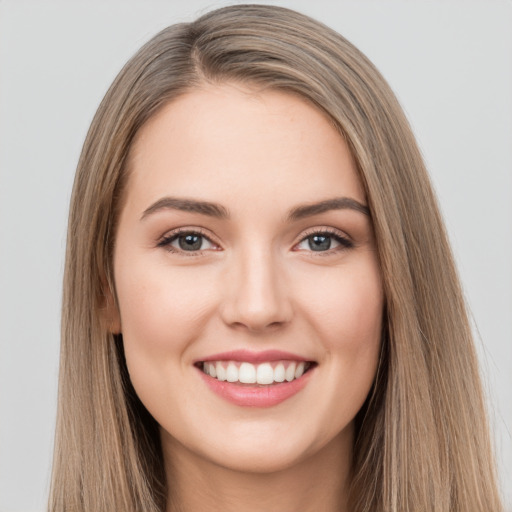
(187, 241)
(324, 241)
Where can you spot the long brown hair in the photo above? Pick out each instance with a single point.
(422, 441)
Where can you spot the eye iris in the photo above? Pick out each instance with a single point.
(319, 242)
(190, 242)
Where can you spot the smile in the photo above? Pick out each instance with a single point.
(255, 379)
(266, 373)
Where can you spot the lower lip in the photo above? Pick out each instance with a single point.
(256, 396)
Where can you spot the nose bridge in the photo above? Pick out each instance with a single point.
(258, 296)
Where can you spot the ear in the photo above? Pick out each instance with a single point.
(109, 310)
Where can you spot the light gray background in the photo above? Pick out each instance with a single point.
(450, 63)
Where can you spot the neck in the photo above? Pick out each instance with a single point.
(319, 482)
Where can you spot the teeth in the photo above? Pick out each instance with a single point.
(247, 373)
(298, 372)
(290, 372)
(232, 373)
(279, 373)
(221, 371)
(263, 374)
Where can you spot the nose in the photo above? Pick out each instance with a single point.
(257, 297)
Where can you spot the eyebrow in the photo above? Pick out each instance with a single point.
(187, 205)
(337, 203)
(218, 211)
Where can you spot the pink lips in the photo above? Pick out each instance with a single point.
(254, 357)
(254, 395)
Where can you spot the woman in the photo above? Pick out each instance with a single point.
(260, 306)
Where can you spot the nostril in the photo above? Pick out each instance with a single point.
(256, 301)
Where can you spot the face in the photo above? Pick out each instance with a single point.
(249, 291)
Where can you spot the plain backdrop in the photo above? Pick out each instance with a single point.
(450, 64)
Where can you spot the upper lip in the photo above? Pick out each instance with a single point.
(253, 357)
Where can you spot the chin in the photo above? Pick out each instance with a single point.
(262, 461)
(266, 447)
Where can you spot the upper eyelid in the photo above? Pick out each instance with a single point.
(321, 229)
(324, 230)
(186, 230)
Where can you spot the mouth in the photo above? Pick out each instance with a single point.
(267, 373)
(250, 379)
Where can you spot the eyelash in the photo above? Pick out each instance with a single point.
(166, 240)
(344, 242)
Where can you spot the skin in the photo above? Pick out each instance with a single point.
(256, 284)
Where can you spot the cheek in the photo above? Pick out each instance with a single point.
(345, 316)
(162, 314)
(157, 304)
(346, 306)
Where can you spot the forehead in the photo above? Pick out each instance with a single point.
(226, 141)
